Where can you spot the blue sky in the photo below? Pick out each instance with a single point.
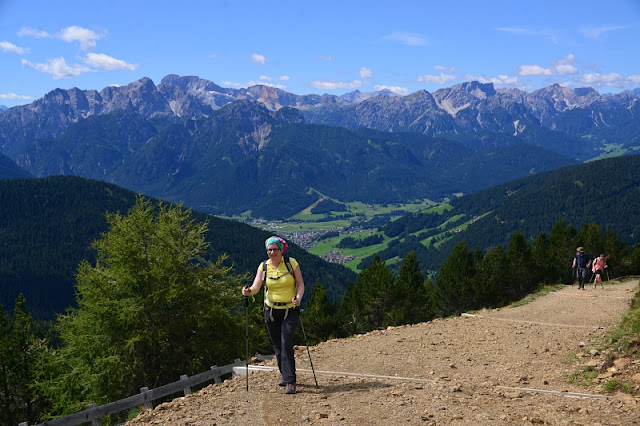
(318, 46)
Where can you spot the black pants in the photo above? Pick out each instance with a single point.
(281, 331)
(582, 276)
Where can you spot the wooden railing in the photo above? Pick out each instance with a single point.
(94, 413)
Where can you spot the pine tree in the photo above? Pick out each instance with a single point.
(148, 311)
(456, 280)
(319, 316)
(21, 350)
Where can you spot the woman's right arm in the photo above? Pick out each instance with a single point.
(255, 287)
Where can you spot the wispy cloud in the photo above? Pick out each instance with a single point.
(445, 69)
(33, 32)
(548, 33)
(13, 96)
(395, 89)
(436, 79)
(5, 46)
(256, 58)
(365, 73)
(85, 37)
(409, 39)
(613, 80)
(107, 63)
(595, 32)
(325, 57)
(534, 70)
(498, 81)
(564, 66)
(57, 68)
(336, 85)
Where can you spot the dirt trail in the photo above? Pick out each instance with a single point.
(498, 367)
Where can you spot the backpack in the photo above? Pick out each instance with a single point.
(287, 262)
(582, 260)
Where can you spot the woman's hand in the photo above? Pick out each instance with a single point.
(296, 301)
(246, 291)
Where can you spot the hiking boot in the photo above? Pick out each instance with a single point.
(291, 389)
(282, 383)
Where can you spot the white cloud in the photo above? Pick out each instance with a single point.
(250, 83)
(32, 32)
(14, 96)
(410, 39)
(258, 59)
(107, 63)
(12, 48)
(564, 66)
(613, 80)
(436, 79)
(536, 70)
(551, 34)
(566, 69)
(267, 78)
(336, 85)
(87, 38)
(57, 68)
(499, 81)
(365, 73)
(395, 89)
(445, 69)
(325, 58)
(594, 32)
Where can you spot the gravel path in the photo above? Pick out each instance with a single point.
(499, 367)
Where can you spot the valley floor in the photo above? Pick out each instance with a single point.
(501, 367)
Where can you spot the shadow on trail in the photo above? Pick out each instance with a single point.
(341, 387)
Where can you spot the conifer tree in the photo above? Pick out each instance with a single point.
(455, 282)
(413, 295)
(319, 316)
(148, 311)
(21, 350)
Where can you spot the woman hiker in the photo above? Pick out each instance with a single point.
(283, 295)
(598, 268)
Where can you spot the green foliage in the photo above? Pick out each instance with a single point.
(49, 224)
(328, 206)
(148, 311)
(319, 316)
(455, 282)
(21, 352)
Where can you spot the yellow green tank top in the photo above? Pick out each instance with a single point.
(281, 285)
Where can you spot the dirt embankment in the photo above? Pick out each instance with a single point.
(499, 367)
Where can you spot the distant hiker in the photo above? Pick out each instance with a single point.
(583, 262)
(284, 289)
(599, 264)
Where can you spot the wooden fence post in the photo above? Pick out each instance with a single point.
(216, 378)
(147, 404)
(186, 389)
(94, 422)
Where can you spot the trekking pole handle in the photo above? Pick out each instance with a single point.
(246, 298)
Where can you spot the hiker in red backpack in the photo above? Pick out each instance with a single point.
(284, 288)
(598, 268)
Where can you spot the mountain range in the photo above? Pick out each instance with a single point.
(264, 150)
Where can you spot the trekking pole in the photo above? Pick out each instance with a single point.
(246, 336)
(308, 353)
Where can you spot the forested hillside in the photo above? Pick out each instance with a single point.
(604, 192)
(47, 227)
